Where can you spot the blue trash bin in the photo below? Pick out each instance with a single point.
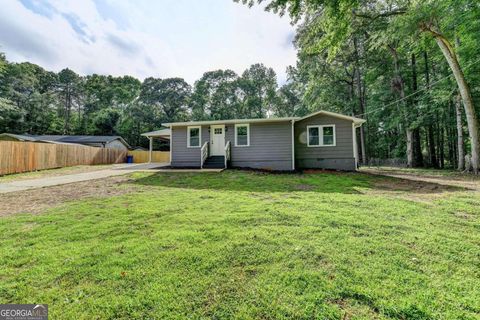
(129, 159)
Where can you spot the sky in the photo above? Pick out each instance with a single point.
(157, 38)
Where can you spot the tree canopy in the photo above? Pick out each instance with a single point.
(36, 101)
(405, 65)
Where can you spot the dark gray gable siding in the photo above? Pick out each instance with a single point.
(270, 146)
(338, 157)
(182, 156)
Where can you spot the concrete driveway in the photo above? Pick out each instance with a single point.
(13, 186)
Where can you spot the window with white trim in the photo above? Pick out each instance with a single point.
(321, 136)
(194, 136)
(242, 135)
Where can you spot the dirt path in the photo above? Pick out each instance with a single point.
(448, 179)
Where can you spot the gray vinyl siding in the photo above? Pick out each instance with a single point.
(182, 156)
(270, 146)
(339, 157)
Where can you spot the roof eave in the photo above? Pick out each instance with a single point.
(230, 121)
(356, 120)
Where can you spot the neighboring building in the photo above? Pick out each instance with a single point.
(139, 149)
(323, 139)
(112, 142)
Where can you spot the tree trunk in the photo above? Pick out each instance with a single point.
(430, 130)
(464, 89)
(67, 112)
(361, 98)
(409, 148)
(460, 150)
(441, 143)
(417, 160)
(431, 147)
(417, 148)
(398, 81)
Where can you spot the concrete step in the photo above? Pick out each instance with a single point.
(213, 165)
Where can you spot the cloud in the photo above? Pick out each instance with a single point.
(39, 7)
(79, 27)
(24, 42)
(111, 12)
(130, 48)
(168, 38)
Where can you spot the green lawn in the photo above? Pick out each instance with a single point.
(250, 246)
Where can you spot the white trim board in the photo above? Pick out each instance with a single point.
(238, 125)
(320, 136)
(199, 136)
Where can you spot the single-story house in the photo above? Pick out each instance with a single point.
(323, 139)
(113, 142)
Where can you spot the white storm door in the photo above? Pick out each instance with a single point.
(217, 140)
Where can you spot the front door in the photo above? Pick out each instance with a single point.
(217, 140)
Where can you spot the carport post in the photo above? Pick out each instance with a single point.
(150, 147)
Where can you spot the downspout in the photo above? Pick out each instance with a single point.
(293, 145)
(355, 148)
(171, 144)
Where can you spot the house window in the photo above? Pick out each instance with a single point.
(328, 136)
(242, 135)
(194, 136)
(321, 136)
(313, 136)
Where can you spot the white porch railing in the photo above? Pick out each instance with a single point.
(203, 154)
(227, 153)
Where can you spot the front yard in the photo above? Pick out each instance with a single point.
(252, 246)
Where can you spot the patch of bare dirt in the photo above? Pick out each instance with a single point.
(36, 201)
(400, 184)
(318, 171)
(421, 187)
(459, 180)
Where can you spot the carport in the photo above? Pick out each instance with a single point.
(163, 134)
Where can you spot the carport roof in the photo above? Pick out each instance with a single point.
(162, 133)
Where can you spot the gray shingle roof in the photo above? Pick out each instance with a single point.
(79, 139)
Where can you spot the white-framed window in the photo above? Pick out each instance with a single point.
(194, 136)
(242, 135)
(321, 136)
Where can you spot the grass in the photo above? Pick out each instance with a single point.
(249, 246)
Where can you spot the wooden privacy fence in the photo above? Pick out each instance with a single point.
(30, 156)
(157, 156)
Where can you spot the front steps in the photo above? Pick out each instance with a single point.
(214, 162)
